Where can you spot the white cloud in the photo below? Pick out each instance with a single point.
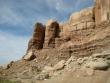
(12, 47)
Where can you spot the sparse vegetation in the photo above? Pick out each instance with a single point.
(2, 80)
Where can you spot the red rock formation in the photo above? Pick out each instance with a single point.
(37, 40)
(38, 36)
(52, 31)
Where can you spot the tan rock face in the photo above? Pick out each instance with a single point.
(78, 21)
(82, 16)
(52, 31)
(102, 11)
(29, 55)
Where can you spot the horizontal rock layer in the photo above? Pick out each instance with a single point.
(85, 33)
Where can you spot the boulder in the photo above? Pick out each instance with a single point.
(48, 69)
(104, 54)
(100, 64)
(42, 76)
(29, 55)
(9, 65)
(71, 59)
(60, 65)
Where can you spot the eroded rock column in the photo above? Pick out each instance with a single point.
(52, 31)
(36, 42)
(38, 36)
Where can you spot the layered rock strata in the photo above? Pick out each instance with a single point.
(82, 43)
(79, 36)
(36, 42)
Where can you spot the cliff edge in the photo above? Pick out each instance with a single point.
(71, 52)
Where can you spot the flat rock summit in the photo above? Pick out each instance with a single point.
(77, 51)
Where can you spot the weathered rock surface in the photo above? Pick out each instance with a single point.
(98, 65)
(48, 69)
(80, 36)
(78, 21)
(38, 36)
(29, 55)
(85, 15)
(37, 40)
(91, 62)
(52, 31)
(59, 65)
(102, 11)
(82, 43)
(42, 76)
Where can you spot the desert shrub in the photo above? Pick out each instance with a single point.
(2, 80)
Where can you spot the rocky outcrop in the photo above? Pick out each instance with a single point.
(39, 36)
(82, 43)
(36, 42)
(78, 21)
(80, 36)
(84, 16)
(52, 31)
(102, 11)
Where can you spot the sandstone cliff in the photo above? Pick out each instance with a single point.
(75, 51)
(79, 36)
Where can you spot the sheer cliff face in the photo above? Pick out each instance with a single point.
(102, 11)
(82, 35)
